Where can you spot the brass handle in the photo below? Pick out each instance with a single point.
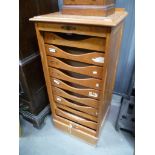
(68, 27)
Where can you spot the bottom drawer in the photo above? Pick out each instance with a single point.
(89, 138)
(77, 119)
(75, 125)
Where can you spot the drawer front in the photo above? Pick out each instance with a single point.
(74, 29)
(74, 125)
(92, 71)
(76, 112)
(78, 41)
(84, 101)
(77, 119)
(89, 110)
(90, 58)
(92, 93)
(87, 82)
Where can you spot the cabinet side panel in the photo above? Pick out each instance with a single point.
(45, 68)
(112, 56)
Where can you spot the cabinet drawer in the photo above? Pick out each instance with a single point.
(86, 82)
(92, 93)
(92, 71)
(78, 41)
(97, 31)
(89, 110)
(75, 125)
(95, 58)
(77, 119)
(76, 112)
(84, 101)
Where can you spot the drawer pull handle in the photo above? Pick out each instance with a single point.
(57, 82)
(92, 94)
(68, 27)
(94, 72)
(52, 50)
(98, 59)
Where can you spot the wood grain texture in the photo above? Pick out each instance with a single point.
(92, 43)
(97, 31)
(77, 119)
(86, 58)
(112, 20)
(73, 110)
(88, 82)
(92, 71)
(112, 54)
(75, 126)
(89, 110)
(91, 93)
(88, 2)
(88, 12)
(76, 112)
(45, 69)
(85, 101)
(76, 132)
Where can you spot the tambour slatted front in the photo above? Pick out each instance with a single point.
(79, 70)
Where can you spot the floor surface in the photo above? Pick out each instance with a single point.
(51, 141)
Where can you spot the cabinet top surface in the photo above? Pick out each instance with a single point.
(111, 20)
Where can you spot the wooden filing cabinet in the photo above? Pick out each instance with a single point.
(79, 58)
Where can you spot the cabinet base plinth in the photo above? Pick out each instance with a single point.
(75, 132)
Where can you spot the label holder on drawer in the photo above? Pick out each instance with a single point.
(98, 59)
(52, 50)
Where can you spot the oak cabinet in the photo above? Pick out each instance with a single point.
(79, 58)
